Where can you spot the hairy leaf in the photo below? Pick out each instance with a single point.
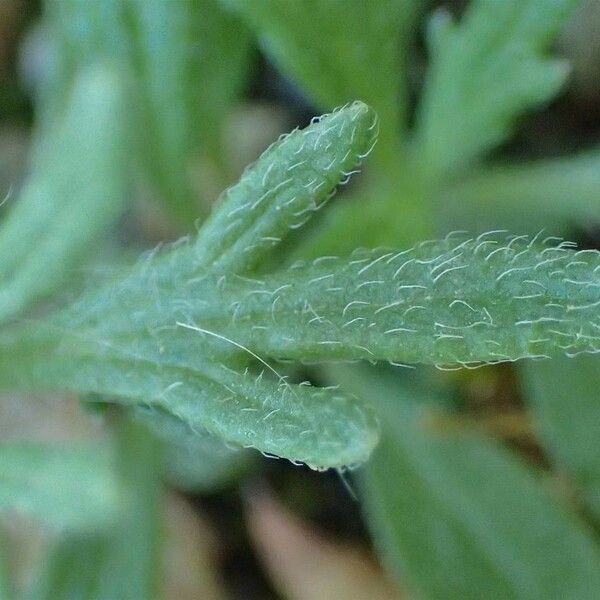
(75, 191)
(291, 180)
(186, 333)
(461, 517)
(319, 427)
(67, 486)
(485, 299)
(564, 398)
(180, 373)
(483, 74)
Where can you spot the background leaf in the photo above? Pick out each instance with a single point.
(563, 396)
(76, 190)
(483, 73)
(331, 48)
(67, 486)
(557, 192)
(462, 518)
(195, 461)
(122, 560)
(167, 51)
(178, 48)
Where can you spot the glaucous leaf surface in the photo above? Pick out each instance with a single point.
(194, 381)
(190, 332)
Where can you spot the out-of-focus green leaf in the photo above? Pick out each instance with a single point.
(77, 189)
(565, 399)
(195, 461)
(339, 50)
(66, 486)
(187, 62)
(6, 592)
(388, 212)
(191, 58)
(458, 516)
(71, 569)
(484, 73)
(564, 189)
(122, 560)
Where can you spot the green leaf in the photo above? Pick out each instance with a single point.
(71, 486)
(484, 73)
(563, 396)
(291, 180)
(487, 299)
(565, 189)
(76, 190)
(183, 374)
(169, 51)
(71, 569)
(123, 559)
(195, 461)
(339, 50)
(191, 59)
(319, 427)
(459, 516)
(186, 333)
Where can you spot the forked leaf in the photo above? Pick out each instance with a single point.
(178, 332)
(183, 375)
(564, 397)
(72, 487)
(75, 191)
(458, 516)
(484, 73)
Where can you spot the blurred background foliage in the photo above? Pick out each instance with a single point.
(120, 122)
